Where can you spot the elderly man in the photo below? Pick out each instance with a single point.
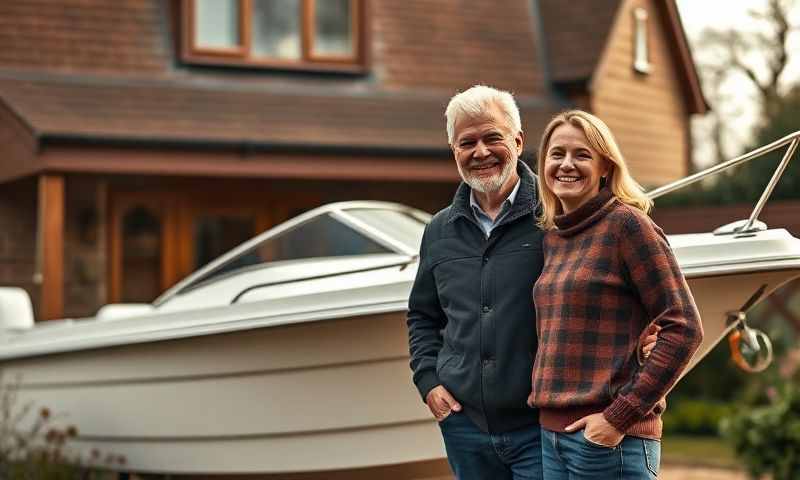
(471, 319)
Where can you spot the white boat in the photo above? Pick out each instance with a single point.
(288, 355)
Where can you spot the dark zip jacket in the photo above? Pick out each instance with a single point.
(471, 321)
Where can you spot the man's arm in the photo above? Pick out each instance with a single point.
(425, 321)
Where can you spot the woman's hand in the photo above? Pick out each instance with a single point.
(597, 430)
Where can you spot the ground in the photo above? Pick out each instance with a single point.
(691, 472)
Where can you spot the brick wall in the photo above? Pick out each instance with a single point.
(451, 45)
(122, 36)
(18, 236)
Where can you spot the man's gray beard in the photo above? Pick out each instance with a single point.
(491, 184)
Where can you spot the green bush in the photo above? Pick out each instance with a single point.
(767, 438)
(694, 417)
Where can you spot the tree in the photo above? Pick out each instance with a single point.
(756, 59)
(759, 59)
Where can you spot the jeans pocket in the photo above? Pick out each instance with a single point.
(446, 418)
(652, 455)
(592, 444)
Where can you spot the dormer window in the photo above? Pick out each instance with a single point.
(291, 34)
(641, 54)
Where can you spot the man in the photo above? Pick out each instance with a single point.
(471, 319)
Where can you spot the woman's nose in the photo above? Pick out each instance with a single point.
(566, 163)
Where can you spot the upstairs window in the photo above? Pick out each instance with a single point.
(641, 55)
(293, 34)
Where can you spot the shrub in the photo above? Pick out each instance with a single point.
(694, 417)
(37, 448)
(767, 438)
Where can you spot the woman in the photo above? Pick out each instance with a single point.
(608, 275)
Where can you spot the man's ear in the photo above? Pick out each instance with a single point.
(519, 141)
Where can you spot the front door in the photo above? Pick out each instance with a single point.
(159, 237)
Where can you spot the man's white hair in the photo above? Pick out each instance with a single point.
(475, 101)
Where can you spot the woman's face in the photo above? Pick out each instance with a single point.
(572, 168)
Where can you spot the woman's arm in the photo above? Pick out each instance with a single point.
(654, 274)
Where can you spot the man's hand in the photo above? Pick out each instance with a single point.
(598, 430)
(441, 403)
(648, 341)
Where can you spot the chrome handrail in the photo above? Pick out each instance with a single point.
(792, 140)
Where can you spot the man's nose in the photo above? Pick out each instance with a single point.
(480, 150)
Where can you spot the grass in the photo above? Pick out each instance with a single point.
(693, 450)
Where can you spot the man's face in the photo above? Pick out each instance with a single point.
(486, 150)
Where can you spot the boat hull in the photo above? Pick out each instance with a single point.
(323, 399)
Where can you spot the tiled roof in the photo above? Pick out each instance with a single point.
(576, 32)
(164, 112)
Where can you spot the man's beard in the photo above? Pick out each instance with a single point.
(487, 185)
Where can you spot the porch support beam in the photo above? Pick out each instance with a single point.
(51, 244)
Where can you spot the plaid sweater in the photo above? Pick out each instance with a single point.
(609, 272)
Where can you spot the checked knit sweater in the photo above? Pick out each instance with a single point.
(608, 273)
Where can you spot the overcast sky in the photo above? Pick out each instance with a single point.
(698, 15)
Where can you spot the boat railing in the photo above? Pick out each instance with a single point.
(750, 225)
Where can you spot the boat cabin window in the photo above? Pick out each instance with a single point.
(322, 236)
(400, 226)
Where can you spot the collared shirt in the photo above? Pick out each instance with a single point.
(485, 221)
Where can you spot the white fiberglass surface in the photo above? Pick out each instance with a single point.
(697, 250)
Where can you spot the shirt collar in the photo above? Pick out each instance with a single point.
(473, 202)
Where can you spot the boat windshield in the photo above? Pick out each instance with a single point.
(333, 234)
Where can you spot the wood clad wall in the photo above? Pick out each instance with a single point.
(647, 113)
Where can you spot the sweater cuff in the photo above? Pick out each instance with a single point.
(426, 381)
(621, 414)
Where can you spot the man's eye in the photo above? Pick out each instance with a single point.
(468, 143)
(556, 154)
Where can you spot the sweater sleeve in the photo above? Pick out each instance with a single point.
(425, 321)
(655, 276)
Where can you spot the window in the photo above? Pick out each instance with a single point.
(641, 55)
(294, 34)
(319, 237)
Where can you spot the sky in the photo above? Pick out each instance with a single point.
(739, 108)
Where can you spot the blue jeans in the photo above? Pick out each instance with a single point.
(476, 455)
(569, 456)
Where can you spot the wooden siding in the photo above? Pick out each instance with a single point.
(647, 113)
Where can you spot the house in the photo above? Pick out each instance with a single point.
(142, 138)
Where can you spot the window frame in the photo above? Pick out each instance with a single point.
(641, 42)
(241, 55)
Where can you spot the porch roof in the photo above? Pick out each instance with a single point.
(163, 113)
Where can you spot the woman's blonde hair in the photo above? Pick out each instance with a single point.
(599, 136)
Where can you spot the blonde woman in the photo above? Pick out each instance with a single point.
(608, 275)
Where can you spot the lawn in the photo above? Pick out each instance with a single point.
(691, 450)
